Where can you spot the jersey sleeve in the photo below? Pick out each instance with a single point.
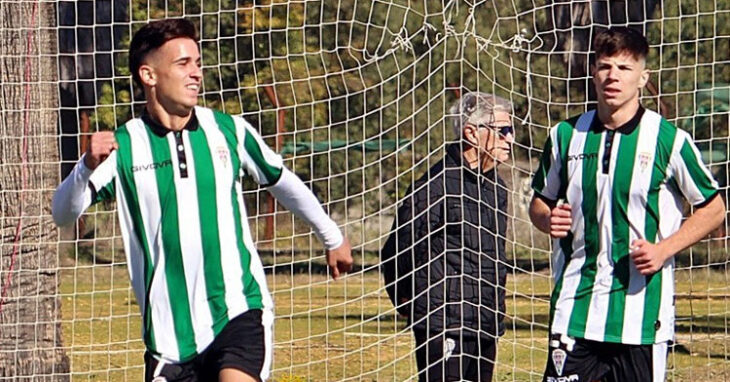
(82, 188)
(693, 178)
(102, 179)
(547, 181)
(257, 159)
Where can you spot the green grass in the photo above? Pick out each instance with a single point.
(347, 330)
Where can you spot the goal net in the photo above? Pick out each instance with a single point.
(355, 95)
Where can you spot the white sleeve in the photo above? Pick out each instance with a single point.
(291, 192)
(73, 196)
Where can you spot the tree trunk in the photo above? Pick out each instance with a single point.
(30, 330)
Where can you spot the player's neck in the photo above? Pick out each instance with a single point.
(614, 118)
(171, 121)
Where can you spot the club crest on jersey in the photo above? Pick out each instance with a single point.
(558, 356)
(644, 159)
(222, 155)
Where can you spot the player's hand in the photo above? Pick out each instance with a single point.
(340, 259)
(648, 258)
(560, 221)
(101, 146)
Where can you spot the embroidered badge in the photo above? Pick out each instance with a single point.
(559, 356)
(223, 155)
(644, 159)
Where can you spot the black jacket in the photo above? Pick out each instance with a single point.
(444, 262)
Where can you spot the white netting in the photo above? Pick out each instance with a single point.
(355, 95)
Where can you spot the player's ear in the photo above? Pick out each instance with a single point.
(147, 75)
(644, 78)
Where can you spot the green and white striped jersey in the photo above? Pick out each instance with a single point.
(622, 186)
(191, 258)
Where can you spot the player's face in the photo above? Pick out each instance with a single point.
(177, 75)
(619, 79)
(498, 136)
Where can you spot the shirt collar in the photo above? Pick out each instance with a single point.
(626, 129)
(160, 130)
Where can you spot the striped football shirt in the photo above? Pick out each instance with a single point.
(622, 185)
(190, 255)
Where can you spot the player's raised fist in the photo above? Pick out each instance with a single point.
(102, 144)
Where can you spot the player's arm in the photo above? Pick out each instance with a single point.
(700, 189)
(293, 194)
(546, 213)
(75, 195)
(267, 169)
(649, 258)
(550, 217)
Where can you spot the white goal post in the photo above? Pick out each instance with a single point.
(355, 95)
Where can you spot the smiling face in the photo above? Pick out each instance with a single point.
(618, 80)
(173, 75)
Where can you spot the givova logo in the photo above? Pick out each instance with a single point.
(152, 166)
(567, 378)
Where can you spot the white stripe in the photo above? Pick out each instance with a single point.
(191, 244)
(146, 182)
(230, 257)
(681, 173)
(133, 250)
(267, 320)
(666, 308)
(571, 277)
(658, 361)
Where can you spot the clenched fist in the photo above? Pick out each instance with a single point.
(102, 144)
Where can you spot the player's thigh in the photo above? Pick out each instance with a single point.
(573, 360)
(235, 375)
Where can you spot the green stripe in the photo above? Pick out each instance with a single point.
(694, 168)
(565, 135)
(583, 293)
(251, 288)
(170, 231)
(653, 292)
(271, 173)
(209, 234)
(540, 178)
(129, 188)
(620, 232)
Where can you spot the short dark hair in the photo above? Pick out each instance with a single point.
(620, 40)
(153, 36)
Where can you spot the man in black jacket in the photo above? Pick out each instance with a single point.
(444, 262)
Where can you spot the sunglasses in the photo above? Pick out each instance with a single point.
(503, 130)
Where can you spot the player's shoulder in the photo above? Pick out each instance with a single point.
(129, 127)
(222, 120)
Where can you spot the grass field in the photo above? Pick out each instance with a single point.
(347, 330)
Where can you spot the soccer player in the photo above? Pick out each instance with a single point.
(175, 174)
(610, 189)
(444, 262)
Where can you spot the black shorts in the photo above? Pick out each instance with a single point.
(579, 360)
(243, 344)
(453, 356)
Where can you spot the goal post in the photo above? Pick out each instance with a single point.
(355, 96)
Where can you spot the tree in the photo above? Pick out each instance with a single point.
(30, 330)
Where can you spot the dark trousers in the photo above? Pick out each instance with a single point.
(452, 356)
